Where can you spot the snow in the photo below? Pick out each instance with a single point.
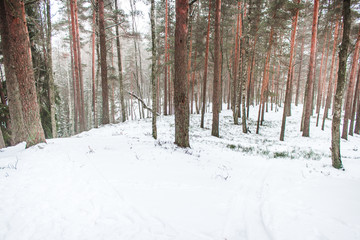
(116, 182)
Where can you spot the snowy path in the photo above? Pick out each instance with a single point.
(116, 182)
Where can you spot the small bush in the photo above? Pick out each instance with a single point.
(281, 155)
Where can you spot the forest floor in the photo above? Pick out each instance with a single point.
(117, 183)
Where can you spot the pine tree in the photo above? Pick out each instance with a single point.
(23, 105)
(181, 100)
(217, 66)
(310, 79)
(335, 127)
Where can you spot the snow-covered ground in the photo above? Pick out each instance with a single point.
(117, 183)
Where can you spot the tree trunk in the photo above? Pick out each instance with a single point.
(300, 67)
(321, 82)
(181, 100)
(330, 87)
(50, 71)
(217, 69)
(104, 80)
(310, 78)
(355, 101)
(335, 128)
(166, 60)
(288, 84)
(205, 70)
(322, 87)
(192, 84)
(235, 66)
(357, 125)
(2, 143)
(350, 91)
(81, 83)
(93, 66)
(153, 70)
(23, 105)
(265, 78)
(77, 102)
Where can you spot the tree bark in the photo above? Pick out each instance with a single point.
(217, 69)
(265, 78)
(153, 70)
(93, 66)
(355, 102)
(23, 105)
(335, 127)
(310, 78)
(289, 76)
(181, 100)
(205, 70)
(235, 66)
(300, 67)
(77, 101)
(330, 87)
(104, 80)
(50, 71)
(166, 60)
(350, 91)
(2, 143)
(118, 49)
(357, 125)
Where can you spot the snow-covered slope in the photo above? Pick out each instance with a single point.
(117, 183)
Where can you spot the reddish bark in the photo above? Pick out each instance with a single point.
(81, 83)
(310, 78)
(23, 104)
(265, 79)
(288, 84)
(181, 100)
(217, 69)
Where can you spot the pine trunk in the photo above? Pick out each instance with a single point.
(166, 60)
(93, 66)
(265, 79)
(104, 80)
(289, 76)
(330, 86)
(23, 105)
(310, 78)
(217, 69)
(153, 70)
(300, 67)
(355, 102)
(235, 66)
(335, 128)
(350, 91)
(50, 71)
(205, 70)
(181, 100)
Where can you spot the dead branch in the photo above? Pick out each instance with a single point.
(142, 102)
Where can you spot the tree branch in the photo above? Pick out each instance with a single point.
(192, 2)
(142, 101)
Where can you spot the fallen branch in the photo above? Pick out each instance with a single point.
(142, 101)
